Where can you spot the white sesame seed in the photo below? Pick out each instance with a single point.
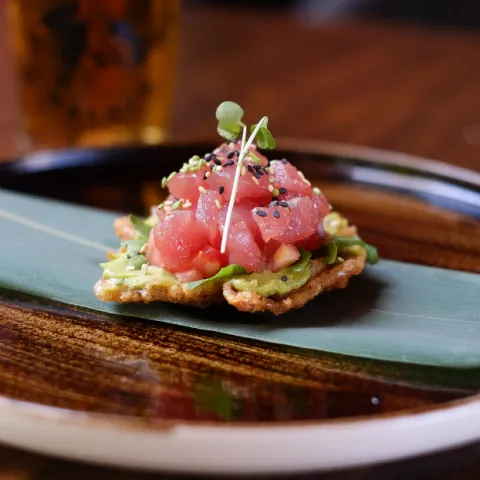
(244, 171)
(187, 204)
(218, 168)
(256, 180)
(202, 189)
(207, 174)
(129, 268)
(270, 188)
(168, 203)
(168, 208)
(144, 269)
(307, 182)
(217, 203)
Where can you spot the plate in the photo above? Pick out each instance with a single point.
(131, 393)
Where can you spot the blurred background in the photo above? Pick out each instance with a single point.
(399, 74)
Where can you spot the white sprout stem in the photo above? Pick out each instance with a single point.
(243, 151)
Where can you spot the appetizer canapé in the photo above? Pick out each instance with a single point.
(235, 227)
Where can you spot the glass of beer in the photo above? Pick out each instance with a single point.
(94, 72)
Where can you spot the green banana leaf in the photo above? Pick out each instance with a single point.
(393, 311)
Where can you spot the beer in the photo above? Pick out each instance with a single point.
(94, 72)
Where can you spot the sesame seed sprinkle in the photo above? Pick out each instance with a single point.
(218, 204)
(202, 189)
(168, 202)
(250, 169)
(208, 157)
(283, 204)
(276, 214)
(243, 171)
(219, 168)
(144, 269)
(221, 189)
(283, 190)
(284, 278)
(261, 213)
(284, 161)
(167, 208)
(231, 155)
(273, 203)
(227, 164)
(217, 161)
(187, 204)
(255, 180)
(207, 174)
(270, 188)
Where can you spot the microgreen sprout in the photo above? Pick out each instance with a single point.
(264, 138)
(229, 116)
(267, 141)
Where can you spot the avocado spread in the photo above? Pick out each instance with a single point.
(267, 284)
(119, 273)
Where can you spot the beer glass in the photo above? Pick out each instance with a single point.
(94, 72)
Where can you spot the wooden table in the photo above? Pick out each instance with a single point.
(391, 87)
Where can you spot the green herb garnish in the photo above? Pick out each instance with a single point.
(302, 262)
(332, 251)
(141, 226)
(223, 274)
(337, 244)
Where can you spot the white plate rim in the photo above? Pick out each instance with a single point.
(242, 449)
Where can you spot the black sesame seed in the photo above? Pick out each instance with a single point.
(261, 173)
(227, 164)
(283, 204)
(273, 203)
(250, 169)
(237, 153)
(221, 189)
(205, 176)
(208, 157)
(257, 175)
(261, 213)
(284, 278)
(231, 155)
(217, 161)
(284, 161)
(283, 190)
(276, 214)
